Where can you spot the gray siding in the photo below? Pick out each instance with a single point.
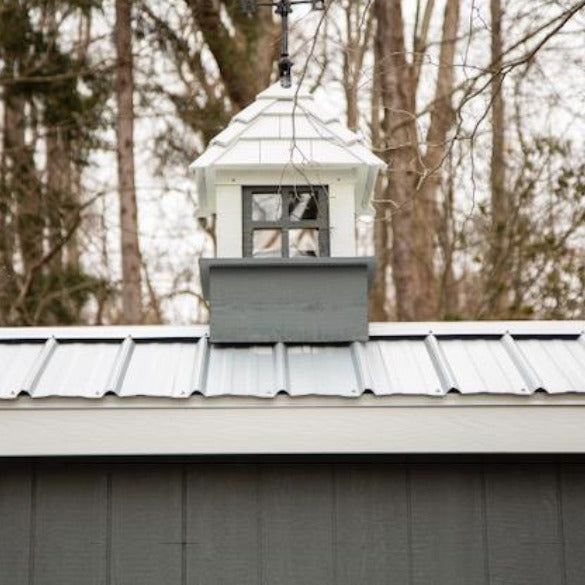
(260, 300)
(283, 524)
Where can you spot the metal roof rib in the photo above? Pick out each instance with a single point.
(446, 376)
(362, 371)
(280, 368)
(531, 378)
(119, 368)
(39, 365)
(199, 373)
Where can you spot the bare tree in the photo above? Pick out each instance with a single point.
(497, 284)
(413, 170)
(131, 263)
(359, 21)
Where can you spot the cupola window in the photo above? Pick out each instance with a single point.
(285, 222)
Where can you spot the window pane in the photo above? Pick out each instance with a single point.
(267, 244)
(303, 206)
(266, 206)
(303, 242)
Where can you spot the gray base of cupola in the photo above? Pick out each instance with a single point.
(298, 300)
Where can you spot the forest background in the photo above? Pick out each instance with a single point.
(477, 106)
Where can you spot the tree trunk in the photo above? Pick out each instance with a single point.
(400, 150)
(441, 122)
(498, 286)
(7, 273)
(131, 282)
(58, 189)
(413, 175)
(23, 182)
(378, 295)
(245, 58)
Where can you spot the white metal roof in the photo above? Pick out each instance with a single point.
(286, 127)
(427, 359)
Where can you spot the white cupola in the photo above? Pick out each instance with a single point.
(286, 180)
(283, 160)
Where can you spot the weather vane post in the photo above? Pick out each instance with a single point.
(283, 8)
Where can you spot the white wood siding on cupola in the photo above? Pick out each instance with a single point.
(286, 137)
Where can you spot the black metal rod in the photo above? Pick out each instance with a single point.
(284, 63)
(283, 9)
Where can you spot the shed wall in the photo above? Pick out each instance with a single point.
(349, 523)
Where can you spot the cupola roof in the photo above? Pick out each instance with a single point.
(286, 127)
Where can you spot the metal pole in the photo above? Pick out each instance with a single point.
(284, 63)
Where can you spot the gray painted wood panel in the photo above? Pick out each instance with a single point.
(287, 299)
(571, 483)
(297, 525)
(267, 524)
(70, 525)
(222, 520)
(146, 525)
(523, 525)
(447, 543)
(371, 525)
(16, 491)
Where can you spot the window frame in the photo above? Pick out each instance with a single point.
(285, 223)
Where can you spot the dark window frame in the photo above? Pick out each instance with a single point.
(285, 223)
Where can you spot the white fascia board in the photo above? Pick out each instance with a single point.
(464, 328)
(108, 332)
(61, 427)
(291, 175)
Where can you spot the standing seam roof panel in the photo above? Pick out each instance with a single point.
(559, 363)
(16, 360)
(402, 367)
(482, 365)
(77, 369)
(173, 364)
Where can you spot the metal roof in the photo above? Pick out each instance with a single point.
(176, 362)
(286, 126)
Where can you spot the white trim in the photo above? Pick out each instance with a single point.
(342, 220)
(414, 329)
(229, 221)
(496, 328)
(110, 332)
(289, 175)
(199, 426)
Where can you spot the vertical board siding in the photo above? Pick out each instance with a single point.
(146, 525)
(15, 523)
(525, 546)
(447, 525)
(371, 525)
(297, 524)
(222, 538)
(572, 499)
(70, 527)
(266, 524)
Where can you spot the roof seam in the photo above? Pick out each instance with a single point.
(38, 366)
(530, 377)
(448, 381)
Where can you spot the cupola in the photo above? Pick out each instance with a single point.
(286, 180)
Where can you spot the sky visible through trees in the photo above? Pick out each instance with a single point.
(477, 107)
